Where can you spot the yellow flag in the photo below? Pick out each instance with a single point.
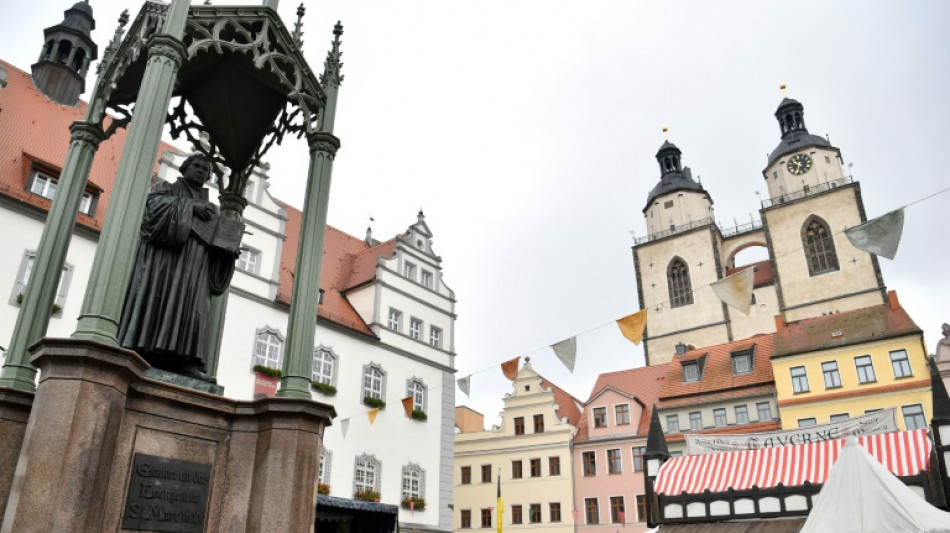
(372, 415)
(500, 506)
(510, 368)
(632, 326)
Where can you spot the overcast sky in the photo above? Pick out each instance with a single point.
(526, 131)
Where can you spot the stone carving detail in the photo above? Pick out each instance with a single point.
(942, 352)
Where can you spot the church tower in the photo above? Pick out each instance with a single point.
(811, 202)
(60, 72)
(679, 254)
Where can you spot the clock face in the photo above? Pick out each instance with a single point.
(799, 164)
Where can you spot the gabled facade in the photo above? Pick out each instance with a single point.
(843, 365)
(530, 453)
(608, 450)
(355, 354)
(724, 388)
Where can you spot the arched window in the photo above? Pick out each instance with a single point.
(413, 481)
(326, 461)
(324, 366)
(819, 247)
(269, 348)
(367, 473)
(417, 389)
(681, 292)
(374, 382)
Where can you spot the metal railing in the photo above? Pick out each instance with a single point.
(805, 192)
(739, 228)
(674, 230)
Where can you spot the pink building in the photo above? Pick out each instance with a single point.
(608, 448)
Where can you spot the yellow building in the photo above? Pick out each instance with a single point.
(531, 453)
(842, 365)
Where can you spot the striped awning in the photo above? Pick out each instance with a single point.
(904, 453)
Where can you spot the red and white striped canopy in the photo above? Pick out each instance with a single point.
(904, 453)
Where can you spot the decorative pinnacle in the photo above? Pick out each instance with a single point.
(784, 92)
(298, 26)
(113, 46)
(666, 137)
(332, 66)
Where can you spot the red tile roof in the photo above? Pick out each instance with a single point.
(567, 404)
(643, 383)
(33, 129)
(763, 273)
(732, 394)
(717, 376)
(843, 329)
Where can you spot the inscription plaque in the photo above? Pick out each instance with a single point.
(167, 495)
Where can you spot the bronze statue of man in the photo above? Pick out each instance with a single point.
(183, 258)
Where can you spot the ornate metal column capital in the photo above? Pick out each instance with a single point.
(166, 46)
(86, 132)
(321, 141)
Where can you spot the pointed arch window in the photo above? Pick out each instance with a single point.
(681, 291)
(819, 247)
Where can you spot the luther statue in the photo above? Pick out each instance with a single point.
(186, 254)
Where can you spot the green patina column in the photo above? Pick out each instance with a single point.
(302, 322)
(111, 268)
(33, 319)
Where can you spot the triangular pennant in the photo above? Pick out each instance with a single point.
(465, 385)
(510, 368)
(372, 414)
(412, 506)
(879, 236)
(736, 290)
(344, 425)
(632, 326)
(566, 351)
(407, 405)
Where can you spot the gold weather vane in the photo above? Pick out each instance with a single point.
(666, 137)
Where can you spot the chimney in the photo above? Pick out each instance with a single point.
(779, 323)
(892, 301)
(680, 349)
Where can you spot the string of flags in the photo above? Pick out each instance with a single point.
(880, 236)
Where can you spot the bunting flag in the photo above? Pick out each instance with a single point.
(465, 385)
(736, 290)
(879, 236)
(407, 405)
(510, 368)
(623, 519)
(344, 425)
(632, 326)
(566, 351)
(372, 414)
(501, 505)
(412, 506)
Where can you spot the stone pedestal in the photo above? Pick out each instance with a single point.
(94, 412)
(14, 414)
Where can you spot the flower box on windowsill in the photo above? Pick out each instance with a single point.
(374, 402)
(268, 371)
(324, 388)
(323, 488)
(420, 503)
(367, 495)
(420, 415)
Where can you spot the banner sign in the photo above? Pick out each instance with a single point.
(883, 421)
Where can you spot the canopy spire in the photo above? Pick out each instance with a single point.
(332, 78)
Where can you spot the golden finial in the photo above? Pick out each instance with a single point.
(665, 136)
(784, 93)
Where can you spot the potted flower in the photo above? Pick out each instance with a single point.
(323, 488)
(366, 495)
(414, 503)
(419, 414)
(324, 388)
(374, 402)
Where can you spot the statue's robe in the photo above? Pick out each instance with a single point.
(166, 315)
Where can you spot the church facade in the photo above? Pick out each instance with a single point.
(386, 318)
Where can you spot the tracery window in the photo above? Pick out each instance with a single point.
(681, 291)
(819, 247)
(366, 476)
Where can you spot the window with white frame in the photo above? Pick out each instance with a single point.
(695, 420)
(807, 423)
(413, 481)
(23, 280)
(425, 277)
(829, 370)
(395, 319)
(765, 411)
(799, 379)
(326, 461)
(367, 473)
(901, 364)
(719, 417)
(742, 414)
(672, 423)
(374, 382)
(324, 366)
(46, 186)
(248, 261)
(742, 362)
(865, 369)
(409, 270)
(417, 389)
(415, 328)
(914, 417)
(840, 417)
(268, 348)
(435, 336)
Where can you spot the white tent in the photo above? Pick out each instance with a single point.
(861, 496)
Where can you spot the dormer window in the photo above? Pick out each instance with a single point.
(742, 362)
(690, 372)
(44, 185)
